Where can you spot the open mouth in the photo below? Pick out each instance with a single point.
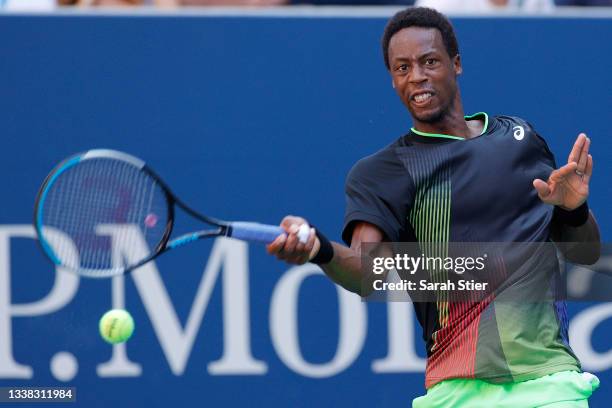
(422, 98)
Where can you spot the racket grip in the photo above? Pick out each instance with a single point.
(253, 231)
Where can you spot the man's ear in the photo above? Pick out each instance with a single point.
(457, 65)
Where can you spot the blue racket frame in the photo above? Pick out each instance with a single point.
(249, 231)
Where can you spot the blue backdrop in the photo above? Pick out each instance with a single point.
(252, 118)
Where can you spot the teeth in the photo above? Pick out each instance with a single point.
(422, 97)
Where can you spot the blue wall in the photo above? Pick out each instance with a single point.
(268, 114)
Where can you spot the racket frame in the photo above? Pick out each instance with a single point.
(164, 245)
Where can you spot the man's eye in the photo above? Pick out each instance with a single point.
(430, 61)
(402, 67)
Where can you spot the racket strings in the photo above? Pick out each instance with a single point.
(102, 206)
(150, 204)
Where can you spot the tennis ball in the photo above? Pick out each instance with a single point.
(116, 326)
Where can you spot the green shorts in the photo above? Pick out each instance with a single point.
(565, 389)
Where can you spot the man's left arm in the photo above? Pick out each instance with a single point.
(579, 244)
(574, 227)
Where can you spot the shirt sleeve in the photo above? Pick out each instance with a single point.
(549, 157)
(379, 190)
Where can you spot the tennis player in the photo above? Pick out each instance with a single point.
(477, 178)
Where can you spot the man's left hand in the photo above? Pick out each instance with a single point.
(568, 186)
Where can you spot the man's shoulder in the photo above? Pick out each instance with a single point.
(379, 162)
(509, 122)
(522, 129)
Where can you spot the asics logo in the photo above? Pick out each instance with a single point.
(519, 132)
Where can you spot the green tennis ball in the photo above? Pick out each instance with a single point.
(116, 326)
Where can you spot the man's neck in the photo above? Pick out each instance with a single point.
(453, 124)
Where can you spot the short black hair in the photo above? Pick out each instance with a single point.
(420, 17)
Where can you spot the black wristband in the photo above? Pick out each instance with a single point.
(326, 250)
(573, 218)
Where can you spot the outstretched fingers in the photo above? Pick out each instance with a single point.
(588, 170)
(574, 155)
(584, 157)
(542, 188)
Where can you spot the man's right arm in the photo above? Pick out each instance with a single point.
(345, 266)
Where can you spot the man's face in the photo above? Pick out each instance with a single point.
(423, 73)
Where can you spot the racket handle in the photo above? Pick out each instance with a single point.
(253, 231)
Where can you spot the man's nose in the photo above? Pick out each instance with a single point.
(417, 74)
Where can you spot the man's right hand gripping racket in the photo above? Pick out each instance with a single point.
(95, 197)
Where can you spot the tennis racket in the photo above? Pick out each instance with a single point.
(92, 199)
